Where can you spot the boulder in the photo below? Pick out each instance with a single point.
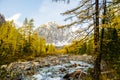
(77, 74)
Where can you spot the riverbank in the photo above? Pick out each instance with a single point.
(45, 66)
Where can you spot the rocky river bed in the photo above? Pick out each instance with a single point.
(55, 67)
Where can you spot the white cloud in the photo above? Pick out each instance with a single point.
(50, 11)
(15, 18)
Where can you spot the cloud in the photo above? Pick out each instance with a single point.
(15, 18)
(50, 11)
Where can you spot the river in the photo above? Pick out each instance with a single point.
(49, 68)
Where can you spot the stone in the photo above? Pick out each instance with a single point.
(77, 74)
(4, 66)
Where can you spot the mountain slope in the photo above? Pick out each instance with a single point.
(52, 34)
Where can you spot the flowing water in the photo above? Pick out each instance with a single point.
(57, 72)
(48, 68)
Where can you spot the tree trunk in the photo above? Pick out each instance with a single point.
(97, 69)
(96, 75)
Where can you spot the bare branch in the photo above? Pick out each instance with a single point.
(68, 25)
(75, 9)
(85, 29)
(85, 37)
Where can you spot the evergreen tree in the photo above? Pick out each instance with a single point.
(2, 19)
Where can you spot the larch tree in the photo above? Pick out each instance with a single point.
(42, 45)
(27, 32)
(8, 40)
(88, 13)
(35, 44)
(50, 48)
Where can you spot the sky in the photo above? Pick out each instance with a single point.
(42, 11)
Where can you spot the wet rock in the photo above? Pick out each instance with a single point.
(73, 75)
(77, 74)
(62, 70)
(28, 68)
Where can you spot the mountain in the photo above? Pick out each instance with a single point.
(55, 35)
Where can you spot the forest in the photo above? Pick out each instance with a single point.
(98, 38)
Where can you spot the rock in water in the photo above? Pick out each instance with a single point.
(72, 75)
(78, 74)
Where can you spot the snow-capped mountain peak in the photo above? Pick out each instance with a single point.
(55, 35)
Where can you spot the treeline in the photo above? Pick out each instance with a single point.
(21, 43)
(87, 46)
(80, 47)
